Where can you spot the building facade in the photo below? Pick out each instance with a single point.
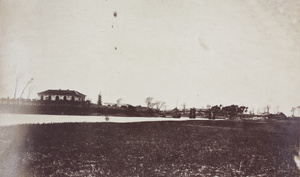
(66, 95)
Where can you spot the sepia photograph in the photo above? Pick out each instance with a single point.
(143, 88)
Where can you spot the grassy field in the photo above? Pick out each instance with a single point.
(187, 148)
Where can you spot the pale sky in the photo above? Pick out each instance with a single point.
(195, 51)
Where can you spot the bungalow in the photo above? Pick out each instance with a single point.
(67, 95)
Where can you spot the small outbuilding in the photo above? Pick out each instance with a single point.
(279, 115)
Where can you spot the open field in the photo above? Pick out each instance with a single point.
(187, 148)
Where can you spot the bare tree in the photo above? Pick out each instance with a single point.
(165, 107)
(30, 90)
(149, 102)
(251, 111)
(119, 101)
(267, 109)
(298, 107)
(159, 105)
(25, 87)
(277, 109)
(183, 106)
(257, 111)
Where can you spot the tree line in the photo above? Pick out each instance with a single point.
(227, 111)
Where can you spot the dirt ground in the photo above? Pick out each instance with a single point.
(181, 148)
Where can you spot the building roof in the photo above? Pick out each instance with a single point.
(62, 92)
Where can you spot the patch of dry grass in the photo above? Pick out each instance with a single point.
(191, 148)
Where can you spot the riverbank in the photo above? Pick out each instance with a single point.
(182, 148)
(77, 108)
(17, 119)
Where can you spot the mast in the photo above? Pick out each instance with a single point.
(16, 88)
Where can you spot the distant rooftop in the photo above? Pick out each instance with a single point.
(61, 92)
